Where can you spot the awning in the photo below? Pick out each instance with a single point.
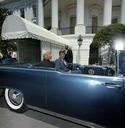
(15, 27)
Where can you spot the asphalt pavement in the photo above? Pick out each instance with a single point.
(30, 119)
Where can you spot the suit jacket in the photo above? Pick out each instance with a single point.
(46, 63)
(61, 66)
(69, 56)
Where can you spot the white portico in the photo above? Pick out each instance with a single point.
(71, 18)
(80, 9)
(85, 13)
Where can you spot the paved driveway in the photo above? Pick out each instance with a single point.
(30, 119)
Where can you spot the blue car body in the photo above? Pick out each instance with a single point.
(96, 99)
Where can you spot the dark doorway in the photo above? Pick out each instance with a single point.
(72, 24)
(93, 55)
(28, 51)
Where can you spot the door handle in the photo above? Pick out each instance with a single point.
(112, 85)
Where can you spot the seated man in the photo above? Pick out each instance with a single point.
(62, 66)
(60, 63)
(47, 56)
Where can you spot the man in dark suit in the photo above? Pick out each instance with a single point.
(47, 56)
(60, 63)
(68, 54)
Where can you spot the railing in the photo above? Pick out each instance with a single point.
(67, 30)
(92, 29)
(71, 30)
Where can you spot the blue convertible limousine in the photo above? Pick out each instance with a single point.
(91, 100)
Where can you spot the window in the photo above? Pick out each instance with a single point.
(94, 24)
(22, 12)
(34, 10)
(72, 24)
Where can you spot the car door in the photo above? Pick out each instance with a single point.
(96, 99)
(31, 82)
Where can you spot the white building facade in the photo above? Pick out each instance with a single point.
(70, 18)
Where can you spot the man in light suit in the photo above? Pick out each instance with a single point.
(60, 63)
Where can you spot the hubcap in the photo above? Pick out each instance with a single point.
(15, 97)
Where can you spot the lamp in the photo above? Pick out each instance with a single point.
(80, 40)
(119, 45)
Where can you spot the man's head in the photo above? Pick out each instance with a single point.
(61, 54)
(66, 46)
(47, 55)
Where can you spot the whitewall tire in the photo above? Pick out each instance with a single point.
(14, 100)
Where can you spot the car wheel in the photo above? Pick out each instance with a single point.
(15, 100)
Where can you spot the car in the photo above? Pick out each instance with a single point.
(97, 70)
(90, 100)
(7, 61)
(93, 69)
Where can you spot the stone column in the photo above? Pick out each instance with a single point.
(107, 19)
(80, 27)
(123, 11)
(28, 14)
(54, 14)
(40, 13)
